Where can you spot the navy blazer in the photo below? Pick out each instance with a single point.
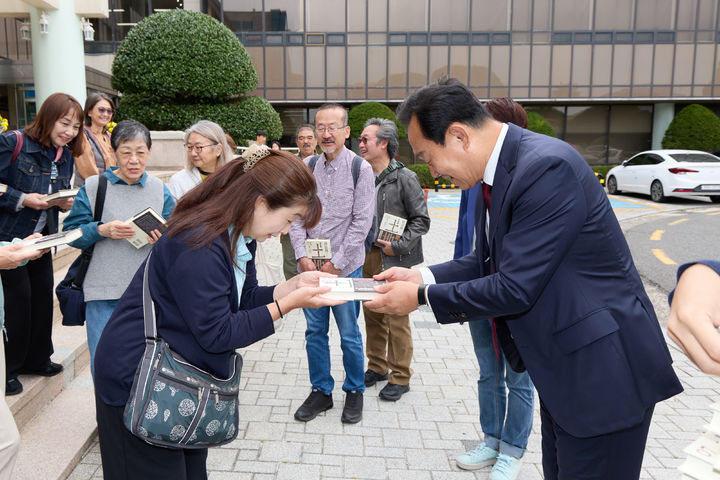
(196, 305)
(567, 286)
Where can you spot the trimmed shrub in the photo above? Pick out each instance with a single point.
(241, 119)
(537, 123)
(425, 177)
(179, 54)
(694, 128)
(360, 114)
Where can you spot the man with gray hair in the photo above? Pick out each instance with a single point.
(399, 199)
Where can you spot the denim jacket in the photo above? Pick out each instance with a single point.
(29, 174)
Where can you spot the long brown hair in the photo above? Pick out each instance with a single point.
(507, 110)
(227, 198)
(93, 100)
(53, 109)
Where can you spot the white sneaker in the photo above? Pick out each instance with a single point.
(482, 456)
(506, 468)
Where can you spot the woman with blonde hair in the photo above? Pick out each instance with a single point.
(207, 151)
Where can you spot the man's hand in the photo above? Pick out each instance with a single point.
(399, 298)
(327, 267)
(63, 203)
(116, 229)
(695, 317)
(36, 201)
(386, 247)
(306, 265)
(400, 274)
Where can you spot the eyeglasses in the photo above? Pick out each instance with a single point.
(103, 110)
(198, 148)
(365, 139)
(330, 129)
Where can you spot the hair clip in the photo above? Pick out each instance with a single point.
(254, 154)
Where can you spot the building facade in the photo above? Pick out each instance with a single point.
(607, 74)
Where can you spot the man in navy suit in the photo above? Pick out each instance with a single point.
(551, 267)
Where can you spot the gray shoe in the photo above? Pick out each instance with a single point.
(392, 391)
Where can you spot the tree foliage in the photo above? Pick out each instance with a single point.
(695, 127)
(537, 123)
(360, 114)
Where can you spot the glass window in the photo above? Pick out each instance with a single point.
(479, 61)
(459, 62)
(561, 65)
(274, 67)
(587, 131)
(703, 63)
(417, 66)
(522, 15)
(500, 66)
(294, 67)
(336, 66)
(622, 64)
(520, 71)
(554, 115)
(356, 16)
(654, 14)
(614, 14)
(377, 71)
(283, 15)
(449, 15)
(438, 62)
(397, 66)
(325, 17)
(683, 64)
(542, 15)
(602, 59)
(630, 131)
(686, 15)
(572, 15)
(243, 16)
(540, 65)
(377, 16)
(356, 67)
(663, 65)
(642, 71)
(708, 14)
(638, 160)
(581, 58)
(490, 16)
(256, 53)
(315, 66)
(408, 15)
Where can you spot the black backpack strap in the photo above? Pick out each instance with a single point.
(97, 216)
(356, 164)
(313, 161)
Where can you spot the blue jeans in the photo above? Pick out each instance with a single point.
(505, 431)
(318, 347)
(97, 314)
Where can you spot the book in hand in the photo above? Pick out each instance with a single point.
(41, 243)
(318, 250)
(703, 455)
(391, 227)
(3, 188)
(144, 223)
(350, 288)
(71, 192)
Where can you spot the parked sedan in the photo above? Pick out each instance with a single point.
(665, 173)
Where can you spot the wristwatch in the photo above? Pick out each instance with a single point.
(421, 294)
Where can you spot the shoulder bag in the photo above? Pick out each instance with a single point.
(70, 290)
(174, 403)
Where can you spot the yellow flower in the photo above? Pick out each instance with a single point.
(109, 127)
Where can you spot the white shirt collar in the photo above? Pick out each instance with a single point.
(489, 175)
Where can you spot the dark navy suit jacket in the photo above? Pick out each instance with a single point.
(567, 287)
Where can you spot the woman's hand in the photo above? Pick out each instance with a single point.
(305, 279)
(11, 256)
(116, 229)
(309, 297)
(154, 236)
(62, 203)
(36, 201)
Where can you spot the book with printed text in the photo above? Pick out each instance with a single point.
(48, 241)
(71, 192)
(144, 223)
(350, 288)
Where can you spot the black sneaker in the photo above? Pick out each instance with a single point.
(317, 402)
(352, 411)
(392, 391)
(49, 370)
(372, 377)
(13, 386)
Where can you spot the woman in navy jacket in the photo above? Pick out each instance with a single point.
(43, 165)
(207, 299)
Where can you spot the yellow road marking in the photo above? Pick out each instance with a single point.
(625, 199)
(711, 214)
(443, 216)
(450, 209)
(657, 235)
(660, 255)
(678, 221)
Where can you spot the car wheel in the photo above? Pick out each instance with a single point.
(656, 192)
(715, 199)
(612, 185)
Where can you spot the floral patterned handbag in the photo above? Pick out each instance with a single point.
(175, 404)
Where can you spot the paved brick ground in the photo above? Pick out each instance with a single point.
(418, 437)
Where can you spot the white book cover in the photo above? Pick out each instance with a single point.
(318, 248)
(3, 188)
(62, 194)
(144, 223)
(48, 241)
(391, 227)
(350, 288)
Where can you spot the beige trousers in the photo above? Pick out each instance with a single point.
(9, 435)
(388, 337)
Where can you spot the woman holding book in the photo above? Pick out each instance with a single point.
(129, 190)
(206, 296)
(97, 153)
(207, 151)
(34, 163)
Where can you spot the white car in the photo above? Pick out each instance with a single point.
(665, 173)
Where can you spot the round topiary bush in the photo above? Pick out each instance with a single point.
(694, 128)
(240, 119)
(183, 54)
(538, 124)
(360, 114)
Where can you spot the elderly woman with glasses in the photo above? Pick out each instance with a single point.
(97, 153)
(130, 190)
(207, 151)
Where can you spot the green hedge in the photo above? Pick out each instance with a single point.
(184, 55)
(425, 177)
(694, 127)
(240, 119)
(537, 123)
(360, 114)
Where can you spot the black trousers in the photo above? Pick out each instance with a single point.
(28, 315)
(127, 457)
(614, 456)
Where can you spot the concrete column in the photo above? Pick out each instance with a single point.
(58, 56)
(663, 113)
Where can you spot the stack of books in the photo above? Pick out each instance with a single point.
(703, 461)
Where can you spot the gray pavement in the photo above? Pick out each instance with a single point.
(418, 437)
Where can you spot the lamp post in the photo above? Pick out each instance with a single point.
(44, 23)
